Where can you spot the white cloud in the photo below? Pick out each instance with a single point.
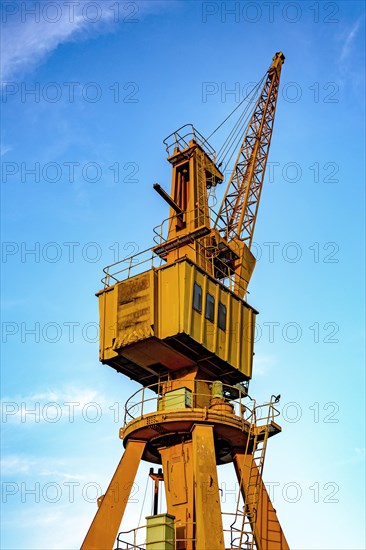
(68, 394)
(349, 39)
(51, 526)
(28, 39)
(263, 364)
(60, 395)
(4, 149)
(14, 465)
(56, 469)
(357, 456)
(52, 499)
(54, 405)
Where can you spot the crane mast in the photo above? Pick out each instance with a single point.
(175, 319)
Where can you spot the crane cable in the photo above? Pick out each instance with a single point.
(236, 108)
(143, 502)
(234, 137)
(252, 93)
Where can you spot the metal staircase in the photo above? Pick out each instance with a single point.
(259, 429)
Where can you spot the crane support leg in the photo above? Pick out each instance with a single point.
(209, 533)
(104, 528)
(268, 534)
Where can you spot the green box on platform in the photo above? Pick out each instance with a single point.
(180, 398)
(160, 532)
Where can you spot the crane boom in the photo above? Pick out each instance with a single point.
(238, 212)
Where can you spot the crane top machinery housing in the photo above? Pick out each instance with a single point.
(175, 319)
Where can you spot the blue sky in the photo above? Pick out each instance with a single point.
(79, 156)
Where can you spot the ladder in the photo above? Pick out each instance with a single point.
(201, 188)
(255, 449)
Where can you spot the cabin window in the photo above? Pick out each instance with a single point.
(221, 322)
(197, 297)
(210, 307)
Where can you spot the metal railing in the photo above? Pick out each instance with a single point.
(129, 267)
(234, 536)
(180, 140)
(148, 259)
(149, 399)
(135, 539)
(162, 229)
(131, 539)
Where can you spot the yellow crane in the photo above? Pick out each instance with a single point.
(176, 320)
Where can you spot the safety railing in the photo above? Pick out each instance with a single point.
(135, 539)
(181, 138)
(234, 536)
(263, 414)
(149, 399)
(148, 259)
(162, 229)
(129, 267)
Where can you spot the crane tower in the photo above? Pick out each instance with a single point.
(176, 320)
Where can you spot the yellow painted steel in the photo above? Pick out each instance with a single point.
(209, 529)
(267, 530)
(177, 461)
(104, 528)
(178, 330)
(151, 313)
(193, 172)
(107, 323)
